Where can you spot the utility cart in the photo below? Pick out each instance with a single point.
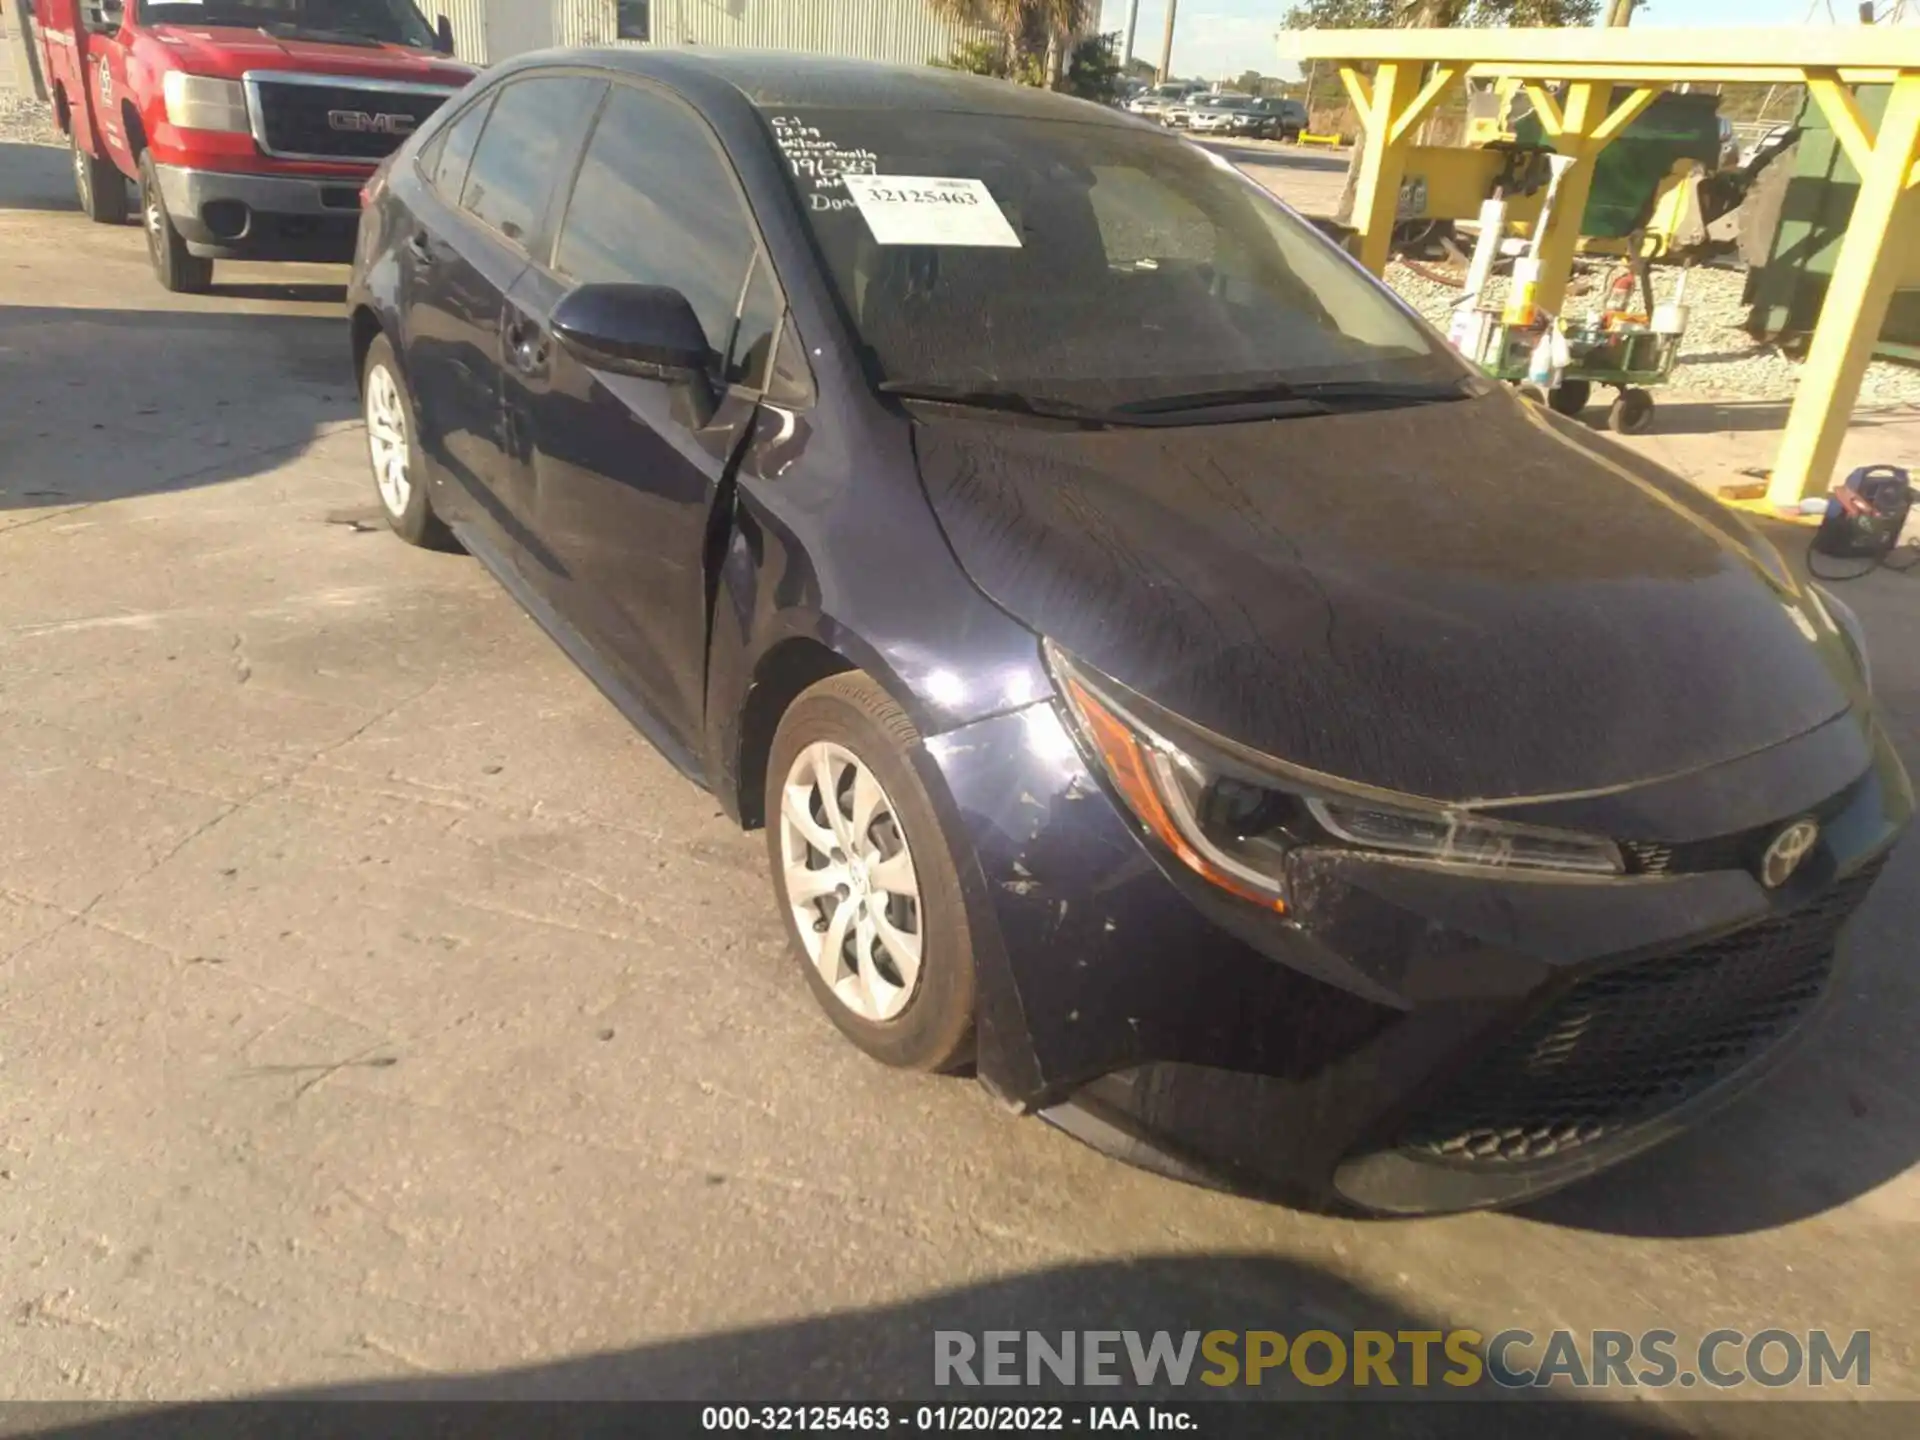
(1628, 359)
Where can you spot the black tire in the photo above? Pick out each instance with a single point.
(1631, 414)
(414, 522)
(99, 186)
(1571, 397)
(176, 268)
(934, 1032)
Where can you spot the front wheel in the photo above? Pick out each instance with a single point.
(1571, 397)
(1632, 413)
(174, 266)
(865, 878)
(99, 186)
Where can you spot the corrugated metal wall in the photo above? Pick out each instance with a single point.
(590, 22)
(905, 32)
(469, 27)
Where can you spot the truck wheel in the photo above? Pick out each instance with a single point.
(173, 266)
(101, 189)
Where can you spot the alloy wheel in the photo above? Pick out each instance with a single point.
(156, 217)
(387, 440)
(849, 878)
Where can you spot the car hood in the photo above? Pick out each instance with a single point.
(1466, 600)
(231, 50)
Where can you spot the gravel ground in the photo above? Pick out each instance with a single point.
(26, 122)
(1717, 354)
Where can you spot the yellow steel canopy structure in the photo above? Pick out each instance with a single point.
(1411, 71)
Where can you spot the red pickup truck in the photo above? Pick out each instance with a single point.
(249, 126)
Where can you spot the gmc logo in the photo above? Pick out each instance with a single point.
(359, 122)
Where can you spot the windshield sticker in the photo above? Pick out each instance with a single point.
(819, 162)
(931, 210)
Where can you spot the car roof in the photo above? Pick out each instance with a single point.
(772, 79)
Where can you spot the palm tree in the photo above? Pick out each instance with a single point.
(1026, 26)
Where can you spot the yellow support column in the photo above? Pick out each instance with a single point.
(1871, 260)
(1376, 199)
(1587, 126)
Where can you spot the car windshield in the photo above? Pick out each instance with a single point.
(391, 22)
(1085, 263)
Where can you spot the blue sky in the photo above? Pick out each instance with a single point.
(1224, 37)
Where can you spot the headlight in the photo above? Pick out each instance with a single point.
(200, 102)
(1846, 624)
(1233, 823)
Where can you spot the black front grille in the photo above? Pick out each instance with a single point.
(1628, 1044)
(339, 122)
(1741, 851)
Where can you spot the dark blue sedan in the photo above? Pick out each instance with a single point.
(1174, 686)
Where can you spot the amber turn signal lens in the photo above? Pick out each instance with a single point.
(1132, 771)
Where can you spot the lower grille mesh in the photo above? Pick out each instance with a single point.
(1626, 1045)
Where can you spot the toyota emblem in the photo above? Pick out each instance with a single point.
(1788, 849)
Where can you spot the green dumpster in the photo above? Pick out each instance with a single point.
(1628, 175)
(1793, 265)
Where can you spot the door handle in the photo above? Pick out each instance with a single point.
(526, 346)
(421, 248)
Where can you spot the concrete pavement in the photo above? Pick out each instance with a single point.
(375, 1005)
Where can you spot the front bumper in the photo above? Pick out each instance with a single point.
(230, 216)
(1411, 1038)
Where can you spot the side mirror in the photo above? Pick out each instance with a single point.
(645, 330)
(443, 35)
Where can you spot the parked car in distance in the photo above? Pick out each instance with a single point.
(1155, 103)
(1729, 145)
(1221, 114)
(1276, 118)
(1141, 637)
(1775, 139)
(247, 126)
(1180, 115)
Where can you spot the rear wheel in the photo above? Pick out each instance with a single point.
(865, 878)
(174, 266)
(99, 185)
(393, 450)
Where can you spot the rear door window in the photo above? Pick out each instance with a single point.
(448, 154)
(529, 140)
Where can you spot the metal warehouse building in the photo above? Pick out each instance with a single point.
(903, 31)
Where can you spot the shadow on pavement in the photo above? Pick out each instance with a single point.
(887, 1354)
(36, 177)
(1710, 417)
(1842, 1117)
(104, 404)
(304, 294)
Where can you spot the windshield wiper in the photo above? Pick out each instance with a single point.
(1306, 398)
(1388, 391)
(1011, 401)
(1288, 399)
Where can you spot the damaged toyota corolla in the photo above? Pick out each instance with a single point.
(1175, 686)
